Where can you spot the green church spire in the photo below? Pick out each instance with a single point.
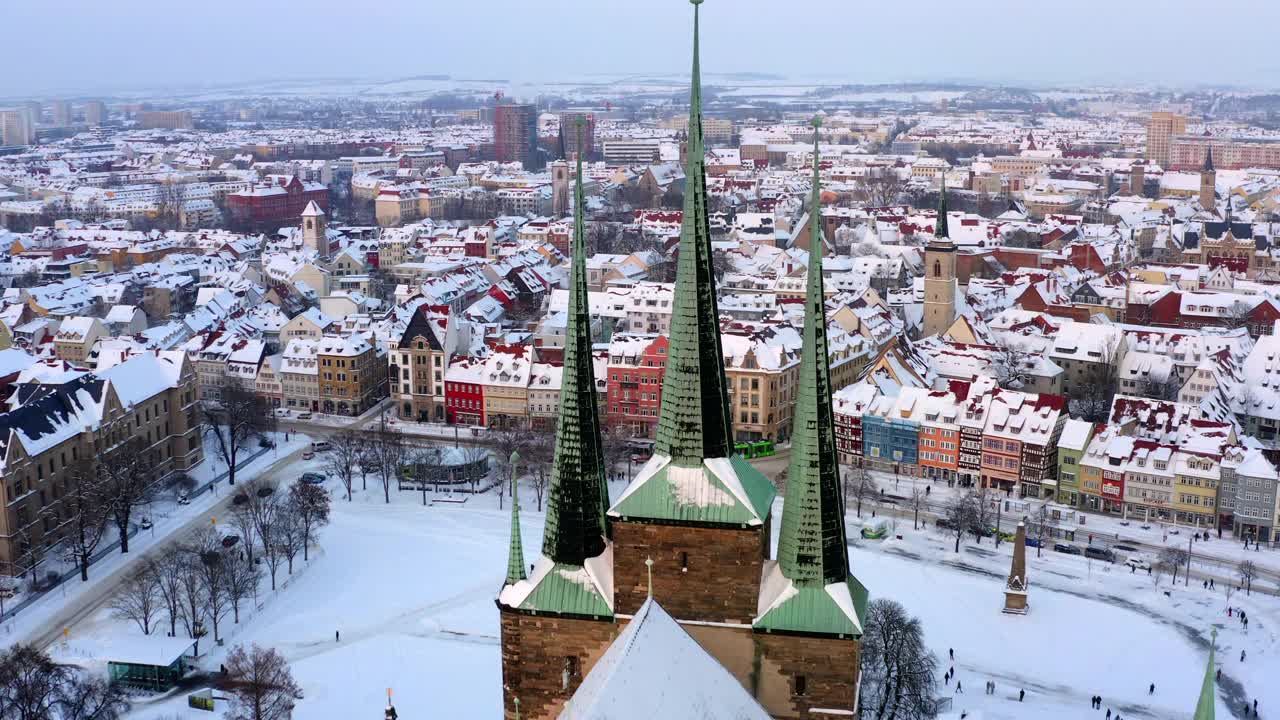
(694, 422)
(811, 545)
(1205, 706)
(579, 497)
(940, 227)
(515, 557)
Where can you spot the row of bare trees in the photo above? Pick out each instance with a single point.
(210, 576)
(235, 421)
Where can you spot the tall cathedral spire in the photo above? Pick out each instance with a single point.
(811, 546)
(515, 554)
(570, 578)
(815, 593)
(1205, 705)
(579, 497)
(940, 227)
(694, 422)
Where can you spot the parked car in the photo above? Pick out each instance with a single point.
(944, 524)
(312, 478)
(184, 498)
(240, 499)
(145, 524)
(229, 539)
(1033, 542)
(1124, 548)
(304, 416)
(1066, 548)
(1099, 553)
(1138, 562)
(307, 455)
(320, 446)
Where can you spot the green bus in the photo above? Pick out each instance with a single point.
(758, 448)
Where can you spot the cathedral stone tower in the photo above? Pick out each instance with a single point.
(939, 275)
(692, 530)
(557, 622)
(809, 629)
(1208, 182)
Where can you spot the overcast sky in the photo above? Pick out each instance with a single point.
(104, 45)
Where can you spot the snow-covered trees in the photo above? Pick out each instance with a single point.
(138, 599)
(342, 459)
(234, 420)
(1175, 558)
(898, 671)
(1247, 572)
(87, 500)
(262, 687)
(860, 483)
(309, 505)
(34, 687)
(129, 475)
(960, 514)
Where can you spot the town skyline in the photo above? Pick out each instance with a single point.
(397, 39)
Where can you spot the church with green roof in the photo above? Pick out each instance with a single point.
(692, 532)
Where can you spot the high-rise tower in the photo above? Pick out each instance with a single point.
(1208, 182)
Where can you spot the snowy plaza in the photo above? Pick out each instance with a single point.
(410, 589)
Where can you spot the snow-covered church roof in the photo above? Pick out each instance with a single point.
(655, 670)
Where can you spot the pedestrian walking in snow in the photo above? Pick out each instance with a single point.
(1108, 713)
(959, 689)
(946, 678)
(1206, 584)
(336, 635)
(1210, 583)
(1021, 694)
(1218, 675)
(1242, 653)
(952, 652)
(1151, 690)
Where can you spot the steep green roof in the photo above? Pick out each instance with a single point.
(515, 554)
(836, 609)
(694, 421)
(726, 491)
(1205, 705)
(579, 496)
(940, 227)
(811, 544)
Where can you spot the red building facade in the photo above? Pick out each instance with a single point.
(271, 205)
(634, 389)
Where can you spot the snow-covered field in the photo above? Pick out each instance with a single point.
(411, 590)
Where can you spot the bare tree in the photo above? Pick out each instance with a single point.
(191, 599)
(169, 568)
(34, 687)
(898, 670)
(310, 505)
(1010, 366)
(615, 448)
(981, 498)
(242, 577)
(288, 536)
(89, 503)
(129, 473)
(209, 564)
(538, 456)
(917, 500)
(342, 459)
(389, 453)
(271, 554)
(138, 599)
(1174, 558)
(1091, 399)
(235, 420)
(1228, 590)
(960, 515)
(1247, 572)
(262, 687)
(1040, 527)
(476, 461)
(859, 481)
(506, 442)
(1158, 570)
(882, 189)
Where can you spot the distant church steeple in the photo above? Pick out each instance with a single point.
(940, 274)
(315, 235)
